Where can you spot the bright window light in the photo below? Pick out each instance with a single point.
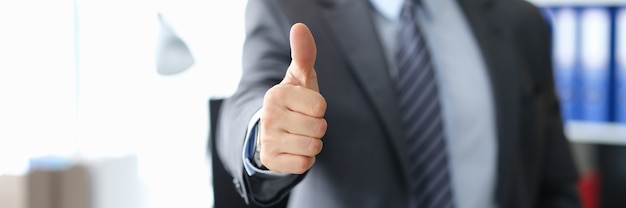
(38, 81)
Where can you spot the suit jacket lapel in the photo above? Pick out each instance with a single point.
(360, 43)
(344, 18)
(488, 30)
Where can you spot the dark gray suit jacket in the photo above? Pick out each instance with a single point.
(363, 163)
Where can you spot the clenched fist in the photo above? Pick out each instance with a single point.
(292, 119)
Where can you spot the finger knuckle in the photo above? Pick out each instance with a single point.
(268, 144)
(315, 146)
(322, 126)
(319, 107)
(271, 116)
(302, 164)
(274, 94)
(268, 117)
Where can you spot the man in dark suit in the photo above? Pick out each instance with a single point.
(456, 108)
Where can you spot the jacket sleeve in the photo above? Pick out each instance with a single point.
(558, 173)
(266, 56)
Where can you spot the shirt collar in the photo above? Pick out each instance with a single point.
(391, 8)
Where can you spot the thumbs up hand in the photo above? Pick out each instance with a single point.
(303, 53)
(292, 119)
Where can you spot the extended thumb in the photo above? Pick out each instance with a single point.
(303, 53)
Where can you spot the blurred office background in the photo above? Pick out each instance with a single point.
(589, 54)
(104, 103)
(84, 82)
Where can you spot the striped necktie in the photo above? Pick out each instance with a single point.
(422, 117)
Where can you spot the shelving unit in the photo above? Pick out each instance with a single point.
(596, 132)
(583, 132)
(578, 2)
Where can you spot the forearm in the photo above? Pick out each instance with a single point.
(230, 135)
(266, 56)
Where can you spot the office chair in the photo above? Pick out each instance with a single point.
(224, 193)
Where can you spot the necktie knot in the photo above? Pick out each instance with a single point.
(409, 7)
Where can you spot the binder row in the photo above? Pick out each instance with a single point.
(589, 57)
